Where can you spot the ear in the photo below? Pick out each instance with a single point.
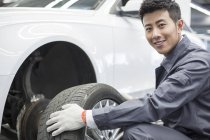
(180, 25)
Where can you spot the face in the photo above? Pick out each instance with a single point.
(161, 31)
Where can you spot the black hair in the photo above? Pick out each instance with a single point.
(149, 6)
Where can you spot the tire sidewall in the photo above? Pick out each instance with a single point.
(102, 93)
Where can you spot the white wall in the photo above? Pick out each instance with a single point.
(185, 9)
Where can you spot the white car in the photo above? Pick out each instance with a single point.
(47, 46)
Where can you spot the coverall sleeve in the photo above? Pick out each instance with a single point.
(181, 87)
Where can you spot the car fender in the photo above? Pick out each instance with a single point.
(30, 37)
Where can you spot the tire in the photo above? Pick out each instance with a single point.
(88, 96)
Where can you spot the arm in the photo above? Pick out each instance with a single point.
(175, 91)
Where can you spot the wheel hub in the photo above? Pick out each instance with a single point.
(28, 121)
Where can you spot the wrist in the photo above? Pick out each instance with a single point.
(84, 117)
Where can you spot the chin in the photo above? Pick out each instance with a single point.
(162, 52)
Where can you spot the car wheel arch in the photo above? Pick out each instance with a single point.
(81, 68)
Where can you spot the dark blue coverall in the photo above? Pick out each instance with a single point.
(181, 100)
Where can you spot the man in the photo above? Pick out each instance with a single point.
(182, 96)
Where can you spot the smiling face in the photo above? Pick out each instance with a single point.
(161, 31)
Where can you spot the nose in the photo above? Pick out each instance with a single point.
(155, 33)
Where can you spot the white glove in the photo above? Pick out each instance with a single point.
(68, 119)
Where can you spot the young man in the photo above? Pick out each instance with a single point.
(182, 96)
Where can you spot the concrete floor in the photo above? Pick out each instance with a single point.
(7, 134)
(3, 138)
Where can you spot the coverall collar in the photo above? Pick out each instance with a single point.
(169, 61)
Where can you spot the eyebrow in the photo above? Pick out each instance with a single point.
(161, 20)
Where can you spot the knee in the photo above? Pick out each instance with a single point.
(136, 133)
(127, 134)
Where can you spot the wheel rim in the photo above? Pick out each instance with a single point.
(113, 134)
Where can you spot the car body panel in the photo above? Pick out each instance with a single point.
(5, 83)
(30, 34)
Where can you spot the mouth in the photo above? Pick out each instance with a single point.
(159, 44)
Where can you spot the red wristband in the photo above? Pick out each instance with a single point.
(84, 117)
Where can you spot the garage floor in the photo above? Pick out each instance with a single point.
(3, 138)
(6, 134)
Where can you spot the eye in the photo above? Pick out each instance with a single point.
(148, 29)
(162, 25)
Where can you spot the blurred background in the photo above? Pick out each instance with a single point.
(196, 14)
(200, 19)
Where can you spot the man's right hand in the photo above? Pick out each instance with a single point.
(68, 119)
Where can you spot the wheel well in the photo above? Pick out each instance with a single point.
(47, 71)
